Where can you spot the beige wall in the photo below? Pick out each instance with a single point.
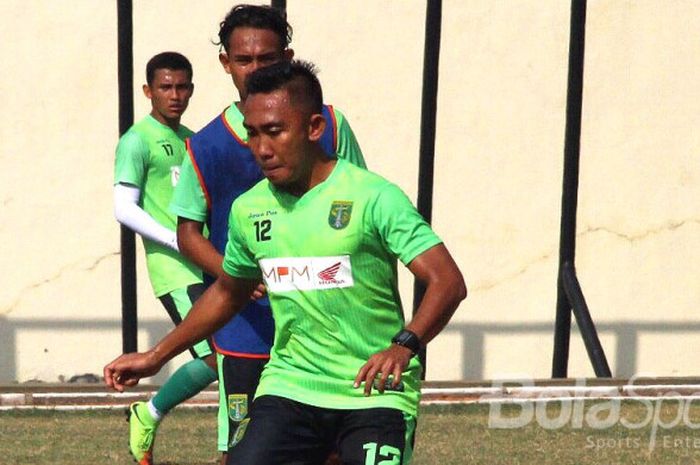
(498, 169)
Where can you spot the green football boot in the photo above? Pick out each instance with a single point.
(142, 433)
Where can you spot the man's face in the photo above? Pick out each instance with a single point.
(169, 93)
(249, 49)
(278, 136)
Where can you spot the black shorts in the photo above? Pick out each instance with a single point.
(240, 380)
(282, 431)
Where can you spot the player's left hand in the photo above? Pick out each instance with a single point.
(389, 362)
(259, 292)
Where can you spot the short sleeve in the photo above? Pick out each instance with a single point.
(403, 230)
(348, 148)
(188, 199)
(239, 261)
(131, 160)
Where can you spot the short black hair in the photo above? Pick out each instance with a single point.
(298, 77)
(167, 60)
(257, 17)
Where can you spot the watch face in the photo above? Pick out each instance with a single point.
(407, 339)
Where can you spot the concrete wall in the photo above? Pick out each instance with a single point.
(498, 171)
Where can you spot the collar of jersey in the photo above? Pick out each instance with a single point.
(289, 200)
(155, 122)
(234, 118)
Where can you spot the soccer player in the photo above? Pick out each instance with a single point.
(147, 168)
(220, 168)
(324, 236)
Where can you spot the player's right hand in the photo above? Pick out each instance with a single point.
(126, 370)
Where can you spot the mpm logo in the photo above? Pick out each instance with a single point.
(287, 273)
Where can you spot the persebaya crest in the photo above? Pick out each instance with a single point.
(340, 213)
(237, 406)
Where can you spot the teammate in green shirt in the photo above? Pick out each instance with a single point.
(250, 36)
(325, 238)
(147, 168)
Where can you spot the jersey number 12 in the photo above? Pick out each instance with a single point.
(262, 230)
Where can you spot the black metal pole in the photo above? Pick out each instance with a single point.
(572, 144)
(280, 5)
(585, 323)
(431, 62)
(125, 58)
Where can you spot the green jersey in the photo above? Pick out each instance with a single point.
(189, 200)
(328, 260)
(149, 156)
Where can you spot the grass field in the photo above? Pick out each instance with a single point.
(447, 435)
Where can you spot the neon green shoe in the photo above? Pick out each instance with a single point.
(142, 433)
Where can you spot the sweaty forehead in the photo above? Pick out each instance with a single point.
(249, 40)
(262, 107)
(170, 75)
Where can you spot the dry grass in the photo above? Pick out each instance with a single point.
(446, 435)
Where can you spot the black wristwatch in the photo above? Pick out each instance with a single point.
(408, 339)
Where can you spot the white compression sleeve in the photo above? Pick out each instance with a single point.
(128, 212)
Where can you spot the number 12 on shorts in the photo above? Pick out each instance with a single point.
(390, 454)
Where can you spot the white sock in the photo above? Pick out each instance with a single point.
(155, 413)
